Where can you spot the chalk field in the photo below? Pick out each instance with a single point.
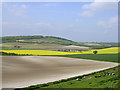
(23, 71)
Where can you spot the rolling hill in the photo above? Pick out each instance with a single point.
(38, 39)
(46, 42)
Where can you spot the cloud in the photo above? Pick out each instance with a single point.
(100, 6)
(106, 0)
(108, 24)
(92, 8)
(16, 9)
(86, 14)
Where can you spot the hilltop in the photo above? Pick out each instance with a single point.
(35, 42)
(38, 39)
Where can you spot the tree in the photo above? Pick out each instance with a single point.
(17, 46)
(95, 52)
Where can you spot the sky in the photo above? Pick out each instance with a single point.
(77, 21)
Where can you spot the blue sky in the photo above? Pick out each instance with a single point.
(78, 21)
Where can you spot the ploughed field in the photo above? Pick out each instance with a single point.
(106, 79)
(23, 71)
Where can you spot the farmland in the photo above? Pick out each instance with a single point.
(113, 50)
(46, 42)
(38, 52)
(105, 81)
(85, 81)
(61, 45)
(99, 57)
(34, 52)
(23, 71)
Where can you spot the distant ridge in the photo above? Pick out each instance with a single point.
(38, 39)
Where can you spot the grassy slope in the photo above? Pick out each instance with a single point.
(38, 39)
(30, 41)
(105, 81)
(46, 40)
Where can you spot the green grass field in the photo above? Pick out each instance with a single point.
(100, 57)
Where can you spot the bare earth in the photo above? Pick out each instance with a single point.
(23, 71)
(75, 47)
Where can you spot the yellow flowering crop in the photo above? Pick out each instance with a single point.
(39, 52)
(113, 50)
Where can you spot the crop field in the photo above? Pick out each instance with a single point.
(113, 50)
(24, 71)
(29, 46)
(105, 80)
(100, 57)
(85, 81)
(38, 52)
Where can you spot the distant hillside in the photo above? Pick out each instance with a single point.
(46, 42)
(38, 39)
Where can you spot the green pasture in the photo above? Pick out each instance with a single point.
(99, 57)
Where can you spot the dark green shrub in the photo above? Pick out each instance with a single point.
(95, 52)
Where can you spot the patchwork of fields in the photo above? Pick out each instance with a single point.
(113, 50)
(31, 62)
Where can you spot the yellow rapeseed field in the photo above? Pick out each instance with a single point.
(112, 50)
(39, 52)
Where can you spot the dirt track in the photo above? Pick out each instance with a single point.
(22, 71)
